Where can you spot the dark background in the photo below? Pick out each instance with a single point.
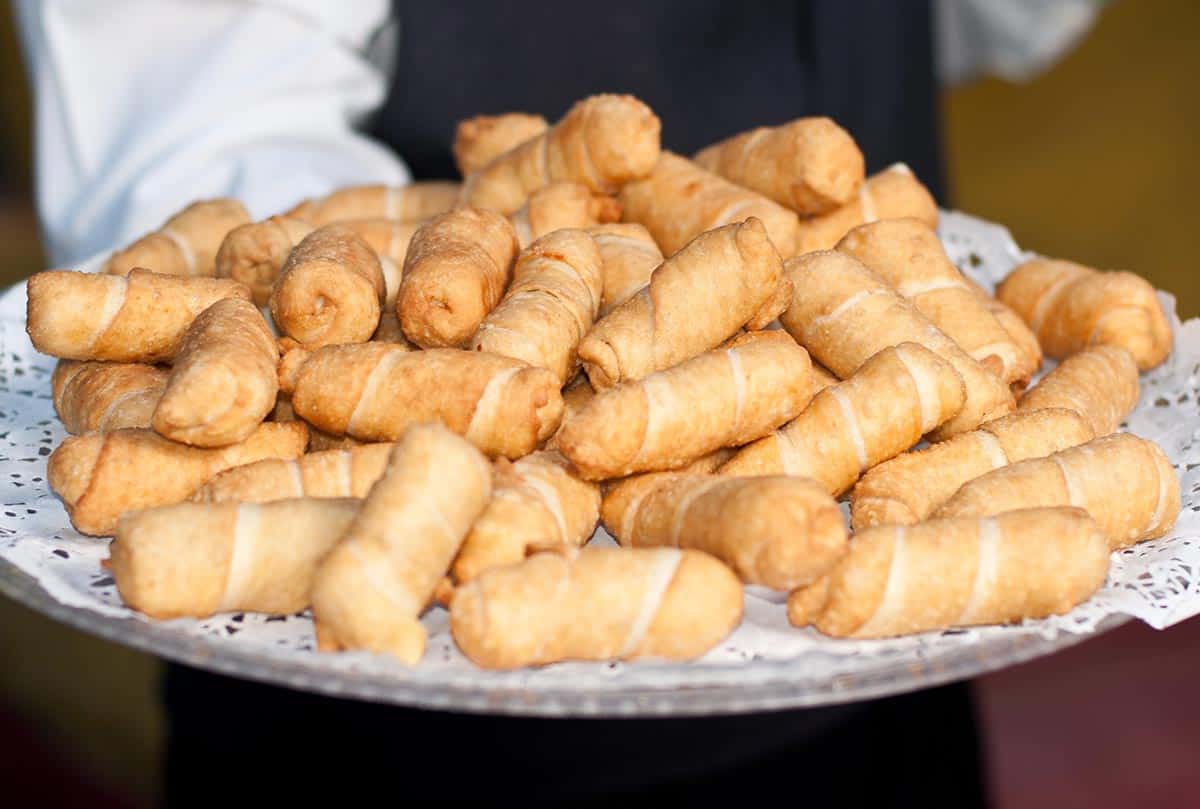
(1095, 160)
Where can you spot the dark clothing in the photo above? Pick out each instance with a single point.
(286, 748)
(709, 68)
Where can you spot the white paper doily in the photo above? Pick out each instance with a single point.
(765, 664)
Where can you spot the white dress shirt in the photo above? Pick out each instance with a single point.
(142, 106)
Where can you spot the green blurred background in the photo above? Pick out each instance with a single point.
(1094, 160)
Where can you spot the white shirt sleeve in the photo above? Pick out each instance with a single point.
(142, 106)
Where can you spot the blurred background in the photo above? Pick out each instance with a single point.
(1094, 159)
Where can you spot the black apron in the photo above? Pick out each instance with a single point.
(709, 69)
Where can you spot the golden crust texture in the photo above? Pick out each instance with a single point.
(780, 532)
(369, 592)
(480, 140)
(105, 396)
(899, 580)
(346, 472)
(679, 200)
(695, 300)
(549, 306)
(562, 205)
(186, 244)
(374, 391)
(537, 502)
(907, 254)
(724, 397)
(596, 604)
(405, 203)
(197, 559)
(630, 255)
(603, 142)
(893, 399)
(811, 165)
(136, 318)
(910, 487)
(100, 476)
(254, 253)
(223, 383)
(1100, 383)
(457, 267)
(890, 194)
(330, 290)
(843, 314)
(1125, 482)
(1070, 306)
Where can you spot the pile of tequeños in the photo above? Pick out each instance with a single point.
(393, 398)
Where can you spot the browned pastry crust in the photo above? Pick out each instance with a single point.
(101, 476)
(105, 396)
(136, 318)
(330, 290)
(596, 604)
(811, 165)
(695, 300)
(223, 383)
(374, 391)
(186, 244)
(604, 141)
(1070, 306)
(457, 267)
(679, 200)
(899, 580)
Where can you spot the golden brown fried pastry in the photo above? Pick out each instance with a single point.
(537, 502)
(907, 255)
(890, 194)
(843, 314)
(136, 318)
(596, 604)
(105, 396)
(480, 140)
(455, 272)
(405, 203)
(254, 253)
(603, 142)
(903, 579)
(197, 559)
(550, 304)
(721, 398)
(223, 383)
(910, 487)
(780, 532)
(330, 289)
(1126, 483)
(369, 592)
(883, 409)
(186, 244)
(630, 255)
(1070, 306)
(101, 476)
(811, 165)
(325, 473)
(561, 205)
(679, 200)
(1100, 383)
(697, 299)
(374, 391)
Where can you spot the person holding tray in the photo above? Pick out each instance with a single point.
(149, 105)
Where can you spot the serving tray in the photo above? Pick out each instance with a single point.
(765, 664)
